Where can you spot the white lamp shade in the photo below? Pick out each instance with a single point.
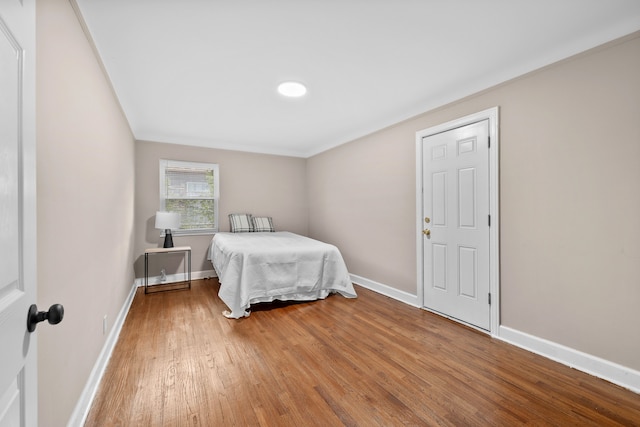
(167, 220)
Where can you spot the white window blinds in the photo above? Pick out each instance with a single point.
(192, 189)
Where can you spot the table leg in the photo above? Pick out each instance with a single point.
(146, 272)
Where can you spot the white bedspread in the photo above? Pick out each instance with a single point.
(263, 267)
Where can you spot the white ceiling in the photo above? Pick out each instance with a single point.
(205, 72)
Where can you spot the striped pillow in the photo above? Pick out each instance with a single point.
(264, 223)
(240, 223)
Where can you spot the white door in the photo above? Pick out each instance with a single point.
(456, 223)
(18, 381)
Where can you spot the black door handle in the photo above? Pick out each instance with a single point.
(53, 316)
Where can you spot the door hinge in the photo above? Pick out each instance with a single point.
(489, 142)
(489, 220)
(489, 298)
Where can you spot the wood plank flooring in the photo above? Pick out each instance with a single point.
(370, 361)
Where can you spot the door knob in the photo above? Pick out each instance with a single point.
(427, 232)
(53, 316)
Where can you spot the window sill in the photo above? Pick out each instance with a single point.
(178, 233)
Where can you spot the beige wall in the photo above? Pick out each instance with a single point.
(260, 184)
(85, 178)
(569, 194)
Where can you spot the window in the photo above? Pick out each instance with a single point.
(191, 189)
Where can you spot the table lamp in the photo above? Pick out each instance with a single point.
(167, 221)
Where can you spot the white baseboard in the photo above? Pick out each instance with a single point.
(386, 290)
(83, 406)
(180, 277)
(592, 365)
(601, 368)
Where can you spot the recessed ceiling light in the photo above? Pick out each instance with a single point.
(292, 89)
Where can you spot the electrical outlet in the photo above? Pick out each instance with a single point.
(104, 324)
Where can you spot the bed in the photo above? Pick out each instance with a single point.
(267, 266)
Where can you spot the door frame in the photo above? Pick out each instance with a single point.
(491, 114)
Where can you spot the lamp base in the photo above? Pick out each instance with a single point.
(168, 239)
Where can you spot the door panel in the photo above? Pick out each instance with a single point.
(18, 388)
(439, 199)
(467, 198)
(456, 204)
(439, 266)
(468, 272)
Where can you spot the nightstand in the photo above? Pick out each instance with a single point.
(186, 250)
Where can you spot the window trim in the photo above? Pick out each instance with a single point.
(166, 163)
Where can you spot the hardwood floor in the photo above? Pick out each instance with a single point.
(370, 361)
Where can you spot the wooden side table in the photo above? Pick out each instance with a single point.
(187, 266)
